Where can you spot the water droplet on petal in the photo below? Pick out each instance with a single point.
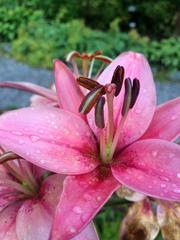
(34, 138)
(138, 110)
(17, 133)
(77, 210)
(178, 175)
(72, 230)
(21, 141)
(99, 198)
(174, 117)
(41, 131)
(163, 185)
(154, 153)
(164, 178)
(176, 190)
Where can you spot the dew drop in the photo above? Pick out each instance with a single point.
(174, 117)
(178, 175)
(17, 133)
(87, 197)
(98, 198)
(72, 230)
(163, 185)
(77, 210)
(41, 131)
(21, 141)
(138, 110)
(34, 138)
(176, 190)
(38, 151)
(154, 153)
(164, 178)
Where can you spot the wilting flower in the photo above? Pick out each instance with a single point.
(140, 222)
(28, 198)
(126, 140)
(168, 216)
(146, 218)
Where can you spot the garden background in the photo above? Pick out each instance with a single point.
(34, 32)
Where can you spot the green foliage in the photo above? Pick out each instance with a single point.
(11, 19)
(39, 42)
(156, 19)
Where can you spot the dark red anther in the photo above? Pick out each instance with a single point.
(117, 79)
(90, 99)
(135, 92)
(99, 112)
(127, 96)
(87, 83)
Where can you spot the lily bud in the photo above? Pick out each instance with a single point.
(139, 223)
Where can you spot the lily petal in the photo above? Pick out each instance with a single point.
(136, 66)
(76, 208)
(51, 138)
(33, 221)
(30, 87)
(89, 233)
(151, 167)
(68, 92)
(8, 222)
(50, 192)
(166, 121)
(37, 100)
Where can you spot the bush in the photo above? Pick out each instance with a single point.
(39, 42)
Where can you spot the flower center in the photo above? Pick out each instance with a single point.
(109, 136)
(20, 176)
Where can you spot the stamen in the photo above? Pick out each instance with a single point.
(91, 68)
(103, 58)
(91, 99)
(8, 156)
(99, 112)
(87, 83)
(117, 79)
(135, 92)
(127, 96)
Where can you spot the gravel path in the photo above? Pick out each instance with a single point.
(10, 70)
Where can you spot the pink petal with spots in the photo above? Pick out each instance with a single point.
(136, 66)
(89, 233)
(82, 197)
(33, 221)
(68, 92)
(51, 138)
(30, 87)
(151, 167)
(166, 121)
(50, 192)
(8, 222)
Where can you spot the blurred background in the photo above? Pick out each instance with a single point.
(34, 32)
(39, 31)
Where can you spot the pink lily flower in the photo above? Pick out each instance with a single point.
(127, 140)
(28, 198)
